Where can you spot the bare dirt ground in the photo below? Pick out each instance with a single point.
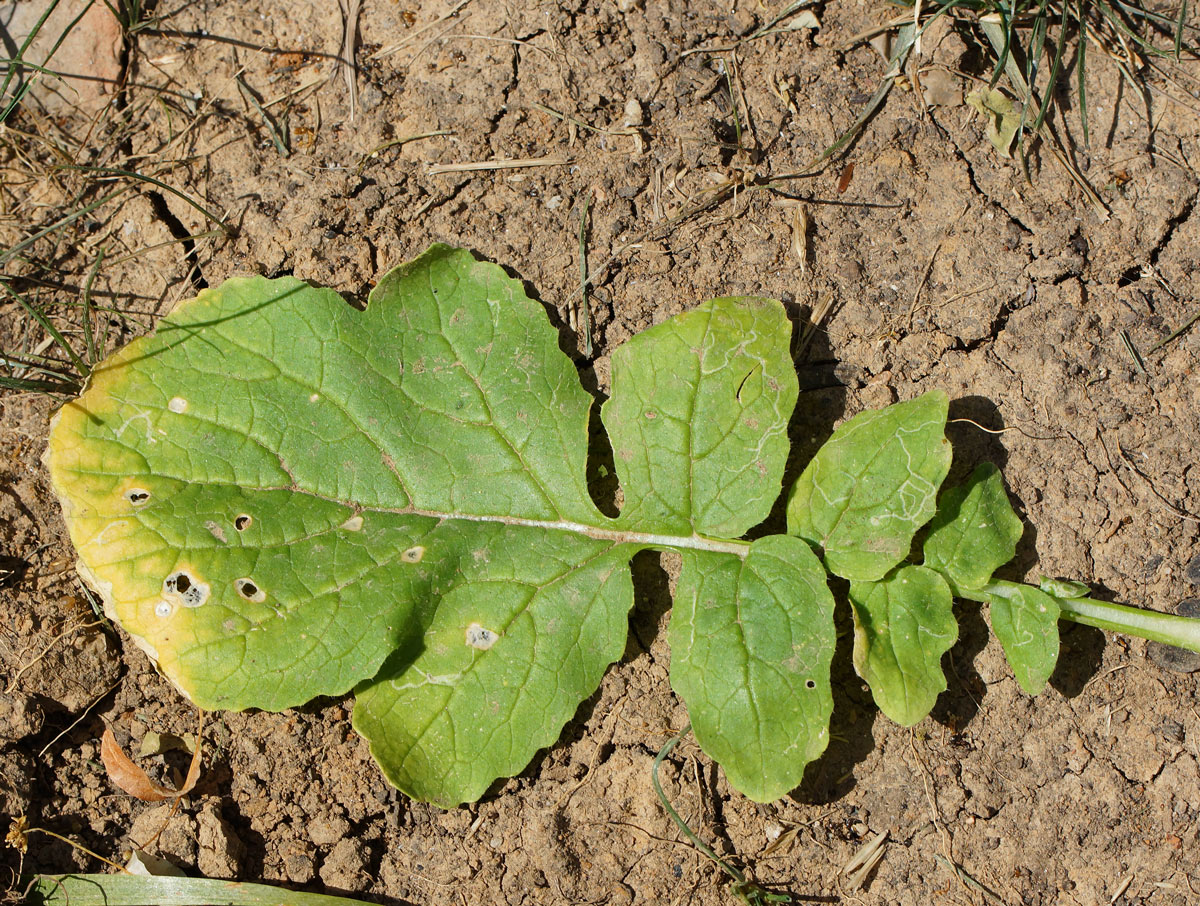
(944, 268)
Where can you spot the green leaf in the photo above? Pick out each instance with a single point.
(518, 639)
(872, 485)
(698, 418)
(1025, 619)
(1063, 588)
(751, 643)
(974, 531)
(902, 627)
(281, 497)
(136, 890)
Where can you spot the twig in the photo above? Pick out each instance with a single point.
(12, 684)
(591, 770)
(99, 698)
(395, 143)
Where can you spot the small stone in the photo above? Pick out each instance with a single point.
(19, 716)
(1192, 570)
(173, 834)
(622, 894)
(16, 792)
(634, 115)
(298, 862)
(344, 866)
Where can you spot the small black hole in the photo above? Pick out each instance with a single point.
(241, 522)
(138, 496)
(182, 583)
(810, 685)
(249, 589)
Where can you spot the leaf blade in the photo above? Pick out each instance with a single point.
(974, 531)
(1025, 620)
(751, 644)
(250, 402)
(903, 624)
(698, 418)
(872, 485)
(528, 647)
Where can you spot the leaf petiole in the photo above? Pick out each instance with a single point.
(1167, 628)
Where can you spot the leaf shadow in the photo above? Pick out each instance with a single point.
(831, 776)
(1082, 648)
(974, 443)
(820, 405)
(972, 427)
(965, 687)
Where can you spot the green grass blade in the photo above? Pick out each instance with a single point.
(136, 890)
(993, 24)
(132, 174)
(1037, 44)
(1054, 67)
(84, 368)
(20, 95)
(88, 336)
(1081, 71)
(33, 385)
(1112, 16)
(905, 38)
(278, 134)
(17, 62)
(16, 250)
(1179, 28)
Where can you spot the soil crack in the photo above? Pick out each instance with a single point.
(176, 228)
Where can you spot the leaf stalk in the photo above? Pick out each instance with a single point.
(1168, 628)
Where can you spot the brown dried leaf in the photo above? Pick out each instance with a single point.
(134, 781)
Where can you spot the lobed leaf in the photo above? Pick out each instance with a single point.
(751, 643)
(281, 497)
(872, 485)
(974, 531)
(903, 625)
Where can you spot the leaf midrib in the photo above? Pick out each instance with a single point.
(645, 539)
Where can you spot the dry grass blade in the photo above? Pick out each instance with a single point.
(134, 781)
(473, 166)
(400, 45)
(350, 11)
(864, 861)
